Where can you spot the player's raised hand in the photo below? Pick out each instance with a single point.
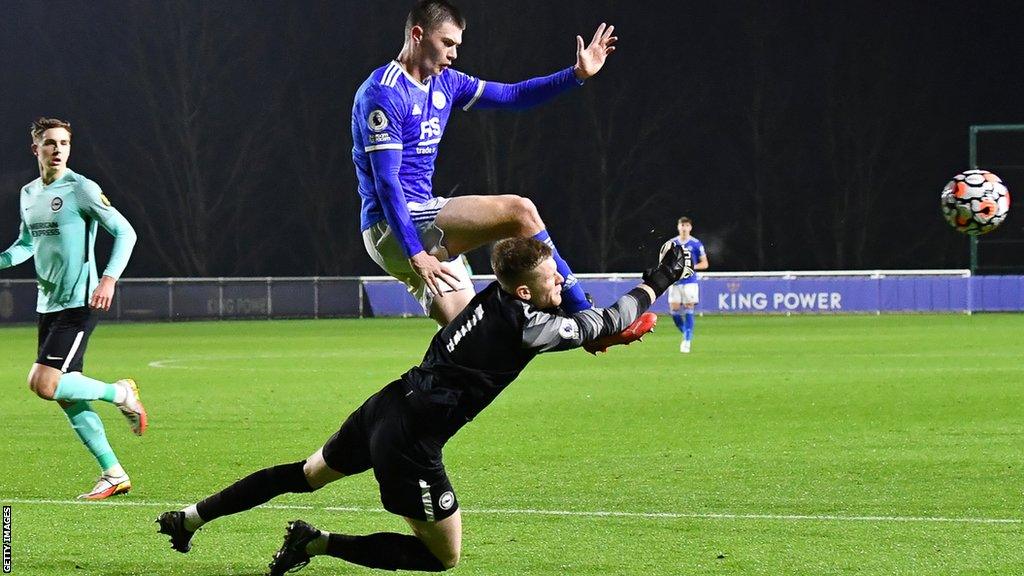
(433, 273)
(590, 59)
(103, 295)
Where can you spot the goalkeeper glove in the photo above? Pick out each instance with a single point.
(675, 264)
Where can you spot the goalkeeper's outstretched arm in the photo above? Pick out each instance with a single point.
(547, 332)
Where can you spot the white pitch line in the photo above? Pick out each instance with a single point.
(578, 513)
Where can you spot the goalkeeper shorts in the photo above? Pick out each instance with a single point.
(402, 448)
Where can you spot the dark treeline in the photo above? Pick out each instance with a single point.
(797, 137)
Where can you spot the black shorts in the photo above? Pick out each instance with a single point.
(404, 451)
(63, 337)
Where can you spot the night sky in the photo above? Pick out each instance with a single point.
(796, 135)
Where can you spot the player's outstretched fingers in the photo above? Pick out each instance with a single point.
(433, 285)
(450, 278)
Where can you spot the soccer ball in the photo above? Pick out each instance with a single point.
(975, 202)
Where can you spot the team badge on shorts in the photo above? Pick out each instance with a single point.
(56, 204)
(439, 100)
(377, 121)
(446, 501)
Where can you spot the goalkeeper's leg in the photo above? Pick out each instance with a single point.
(435, 547)
(255, 489)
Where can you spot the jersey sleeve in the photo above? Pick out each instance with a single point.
(379, 119)
(465, 89)
(20, 251)
(385, 165)
(545, 332)
(523, 94)
(94, 204)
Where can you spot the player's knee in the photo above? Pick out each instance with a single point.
(312, 482)
(42, 386)
(526, 216)
(451, 559)
(318, 474)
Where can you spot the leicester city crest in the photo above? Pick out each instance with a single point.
(439, 100)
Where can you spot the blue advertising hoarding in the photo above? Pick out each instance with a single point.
(790, 295)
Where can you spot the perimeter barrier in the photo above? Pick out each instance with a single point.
(815, 292)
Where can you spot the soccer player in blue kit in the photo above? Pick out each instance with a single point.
(60, 212)
(685, 293)
(398, 120)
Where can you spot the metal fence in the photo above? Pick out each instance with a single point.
(824, 292)
(155, 299)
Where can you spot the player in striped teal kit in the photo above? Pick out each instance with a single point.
(60, 213)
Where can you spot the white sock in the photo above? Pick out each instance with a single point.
(120, 394)
(116, 471)
(192, 519)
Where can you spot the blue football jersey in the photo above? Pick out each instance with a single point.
(696, 248)
(394, 111)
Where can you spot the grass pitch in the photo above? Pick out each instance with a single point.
(801, 445)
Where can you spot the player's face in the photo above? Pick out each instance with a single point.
(439, 48)
(53, 148)
(685, 228)
(545, 286)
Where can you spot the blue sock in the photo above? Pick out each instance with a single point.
(89, 427)
(573, 297)
(75, 386)
(677, 317)
(688, 325)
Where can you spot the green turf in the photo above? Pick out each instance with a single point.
(843, 417)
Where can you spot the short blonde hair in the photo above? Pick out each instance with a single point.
(514, 259)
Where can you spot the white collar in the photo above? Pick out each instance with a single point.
(421, 85)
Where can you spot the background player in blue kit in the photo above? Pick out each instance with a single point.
(398, 120)
(686, 292)
(60, 211)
